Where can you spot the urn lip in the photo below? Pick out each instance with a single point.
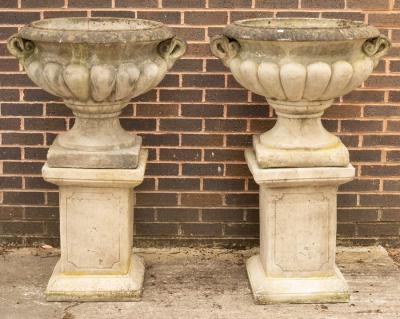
(96, 30)
(299, 29)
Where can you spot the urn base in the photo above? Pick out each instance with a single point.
(270, 290)
(124, 158)
(335, 155)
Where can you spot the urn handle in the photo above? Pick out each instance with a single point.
(171, 50)
(19, 47)
(224, 48)
(376, 47)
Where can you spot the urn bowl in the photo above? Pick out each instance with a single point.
(300, 65)
(96, 65)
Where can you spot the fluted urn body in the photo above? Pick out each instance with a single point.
(300, 66)
(96, 65)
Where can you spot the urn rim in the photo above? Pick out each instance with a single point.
(99, 30)
(299, 29)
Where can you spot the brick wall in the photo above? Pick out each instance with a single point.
(196, 125)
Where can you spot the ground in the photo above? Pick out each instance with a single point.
(199, 283)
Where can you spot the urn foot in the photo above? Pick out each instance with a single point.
(335, 155)
(124, 158)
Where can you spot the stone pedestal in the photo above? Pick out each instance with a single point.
(296, 263)
(96, 228)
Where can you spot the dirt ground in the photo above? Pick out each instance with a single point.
(199, 283)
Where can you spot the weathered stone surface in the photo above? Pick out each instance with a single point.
(96, 233)
(300, 66)
(297, 234)
(96, 65)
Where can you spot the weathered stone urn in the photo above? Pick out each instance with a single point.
(300, 66)
(96, 65)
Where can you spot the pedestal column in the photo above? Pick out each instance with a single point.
(296, 263)
(96, 233)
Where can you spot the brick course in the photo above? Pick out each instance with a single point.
(196, 124)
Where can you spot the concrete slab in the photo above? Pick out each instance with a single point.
(199, 283)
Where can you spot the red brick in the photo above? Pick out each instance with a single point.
(242, 200)
(89, 3)
(17, 17)
(381, 140)
(206, 17)
(251, 230)
(222, 215)
(183, 96)
(42, 3)
(242, 14)
(378, 229)
(179, 183)
(393, 156)
(149, 199)
(202, 140)
(114, 13)
(229, 4)
(223, 184)
(136, 3)
(201, 199)
(64, 14)
(9, 4)
(297, 14)
(156, 229)
(179, 154)
(383, 20)
(23, 198)
(357, 215)
(218, 125)
(182, 4)
(10, 182)
(380, 170)
(202, 169)
(201, 229)
(167, 17)
(368, 4)
(226, 95)
(277, 4)
(177, 214)
(223, 155)
(203, 80)
(322, 4)
(202, 110)
(180, 125)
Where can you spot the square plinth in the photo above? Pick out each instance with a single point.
(270, 290)
(99, 287)
(96, 234)
(298, 206)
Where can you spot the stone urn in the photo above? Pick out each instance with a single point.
(300, 66)
(96, 65)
